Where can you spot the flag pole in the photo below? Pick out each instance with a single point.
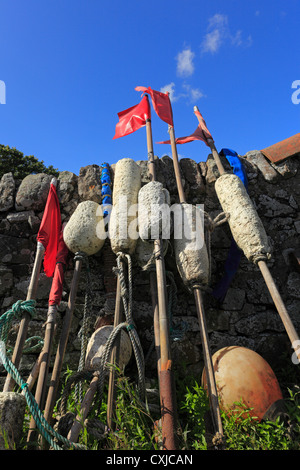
(114, 359)
(23, 328)
(281, 309)
(31, 295)
(52, 391)
(166, 380)
(54, 300)
(211, 383)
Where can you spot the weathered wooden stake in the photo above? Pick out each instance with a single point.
(166, 382)
(212, 388)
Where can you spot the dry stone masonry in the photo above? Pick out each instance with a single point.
(246, 317)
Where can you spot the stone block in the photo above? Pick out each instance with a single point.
(33, 192)
(7, 192)
(12, 410)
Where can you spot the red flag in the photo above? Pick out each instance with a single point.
(49, 230)
(57, 283)
(201, 133)
(133, 118)
(161, 104)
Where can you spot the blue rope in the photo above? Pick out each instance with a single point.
(106, 191)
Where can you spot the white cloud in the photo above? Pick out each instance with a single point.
(218, 21)
(189, 94)
(170, 88)
(192, 94)
(237, 38)
(185, 66)
(219, 33)
(212, 41)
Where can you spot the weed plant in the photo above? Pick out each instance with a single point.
(136, 425)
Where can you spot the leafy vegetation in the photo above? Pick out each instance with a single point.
(14, 161)
(136, 426)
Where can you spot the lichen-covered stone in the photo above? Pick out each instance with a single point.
(12, 410)
(89, 183)
(7, 192)
(33, 192)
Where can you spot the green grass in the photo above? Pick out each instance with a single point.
(135, 424)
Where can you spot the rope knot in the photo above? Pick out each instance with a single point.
(24, 306)
(217, 221)
(218, 440)
(80, 255)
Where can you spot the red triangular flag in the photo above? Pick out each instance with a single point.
(49, 231)
(161, 104)
(57, 283)
(131, 119)
(201, 133)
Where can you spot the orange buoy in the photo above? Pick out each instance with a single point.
(243, 376)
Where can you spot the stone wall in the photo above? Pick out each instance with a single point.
(246, 317)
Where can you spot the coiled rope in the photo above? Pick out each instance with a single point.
(45, 429)
(127, 299)
(86, 374)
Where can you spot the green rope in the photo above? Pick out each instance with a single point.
(43, 426)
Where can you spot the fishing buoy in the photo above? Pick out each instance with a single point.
(123, 220)
(97, 343)
(246, 227)
(243, 376)
(85, 231)
(189, 246)
(153, 211)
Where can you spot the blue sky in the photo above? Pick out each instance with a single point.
(70, 66)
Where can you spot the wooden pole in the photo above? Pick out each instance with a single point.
(282, 311)
(211, 383)
(289, 327)
(114, 360)
(43, 368)
(22, 333)
(168, 412)
(84, 410)
(52, 391)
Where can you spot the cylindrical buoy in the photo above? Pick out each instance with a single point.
(123, 227)
(85, 231)
(246, 227)
(153, 211)
(189, 246)
(97, 343)
(243, 376)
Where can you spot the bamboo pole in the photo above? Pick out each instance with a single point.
(168, 411)
(270, 283)
(211, 383)
(22, 333)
